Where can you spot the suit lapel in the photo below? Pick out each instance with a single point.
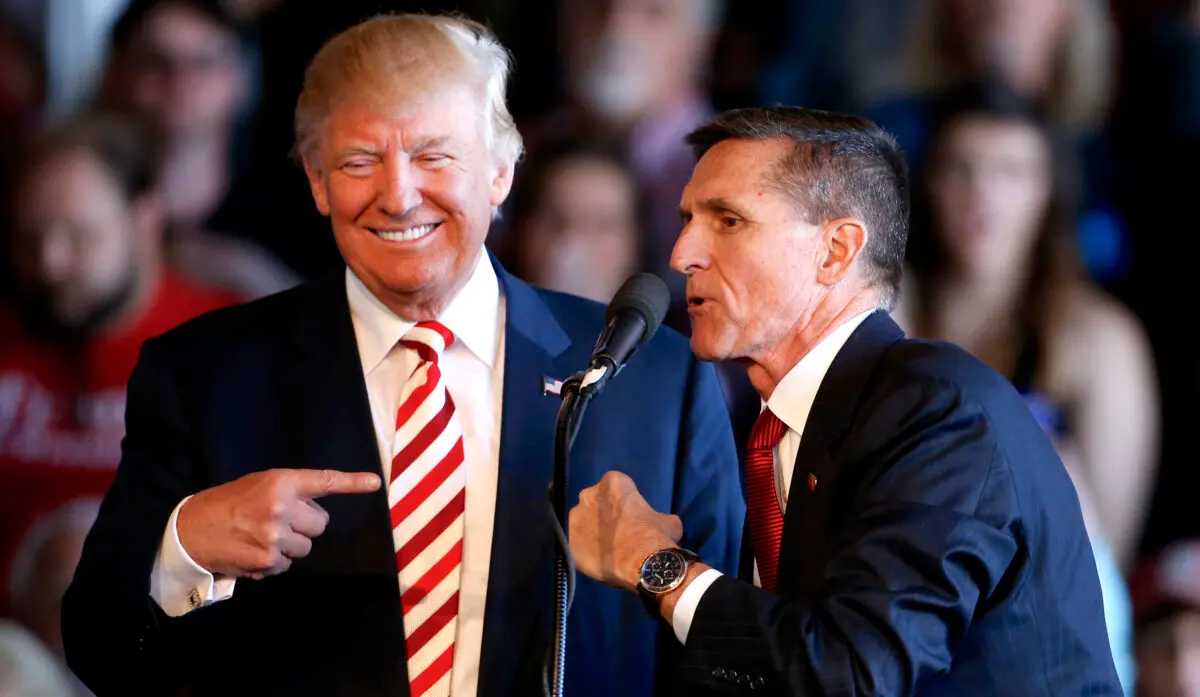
(813, 484)
(327, 419)
(520, 581)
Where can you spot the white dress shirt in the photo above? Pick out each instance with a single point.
(791, 401)
(473, 368)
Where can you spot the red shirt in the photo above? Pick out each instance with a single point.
(47, 457)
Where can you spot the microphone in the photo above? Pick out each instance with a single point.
(633, 315)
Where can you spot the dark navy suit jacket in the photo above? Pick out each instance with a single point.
(278, 383)
(937, 549)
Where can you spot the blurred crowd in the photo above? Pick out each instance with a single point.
(147, 177)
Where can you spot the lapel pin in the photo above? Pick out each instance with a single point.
(551, 386)
(812, 482)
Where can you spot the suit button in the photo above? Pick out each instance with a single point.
(756, 683)
(731, 675)
(718, 673)
(743, 680)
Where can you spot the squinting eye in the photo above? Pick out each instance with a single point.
(729, 221)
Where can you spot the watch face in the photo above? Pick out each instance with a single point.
(663, 571)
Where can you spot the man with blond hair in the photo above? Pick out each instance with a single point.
(406, 395)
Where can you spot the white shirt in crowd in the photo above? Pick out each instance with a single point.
(791, 401)
(473, 368)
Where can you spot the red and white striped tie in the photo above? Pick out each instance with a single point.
(427, 494)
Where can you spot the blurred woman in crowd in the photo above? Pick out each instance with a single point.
(995, 270)
(576, 223)
(1060, 54)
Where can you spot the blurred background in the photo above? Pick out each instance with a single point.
(145, 178)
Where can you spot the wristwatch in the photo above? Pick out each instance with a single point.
(661, 573)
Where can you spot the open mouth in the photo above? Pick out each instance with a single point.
(694, 302)
(408, 234)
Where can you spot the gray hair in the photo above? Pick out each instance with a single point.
(839, 165)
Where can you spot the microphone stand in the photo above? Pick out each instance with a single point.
(576, 392)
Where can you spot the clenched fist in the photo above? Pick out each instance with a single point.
(256, 525)
(613, 530)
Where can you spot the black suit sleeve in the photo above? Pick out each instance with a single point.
(927, 539)
(115, 636)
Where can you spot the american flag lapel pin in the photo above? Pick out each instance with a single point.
(812, 482)
(551, 386)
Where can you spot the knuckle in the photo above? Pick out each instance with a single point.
(271, 538)
(327, 479)
(264, 559)
(276, 508)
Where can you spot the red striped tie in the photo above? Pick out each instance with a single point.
(426, 495)
(762, 502)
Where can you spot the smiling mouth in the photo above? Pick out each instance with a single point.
(408, 234)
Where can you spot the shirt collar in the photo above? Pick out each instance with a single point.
(473, 316)
(793, 397)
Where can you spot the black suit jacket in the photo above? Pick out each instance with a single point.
(278, 383)
(941, 552)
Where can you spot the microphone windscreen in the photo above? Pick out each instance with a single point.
(645, 294)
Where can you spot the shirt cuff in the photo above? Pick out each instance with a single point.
(178, 584)
(685, 609)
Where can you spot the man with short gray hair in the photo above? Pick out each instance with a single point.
(341, 489)
(911, 530)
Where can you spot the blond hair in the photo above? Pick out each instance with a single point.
(1083, 84)
(406, 53)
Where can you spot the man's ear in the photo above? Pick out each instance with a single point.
(502, 182)
(843, 240)
(316, 182)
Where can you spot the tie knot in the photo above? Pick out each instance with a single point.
(767, 432)
(428, 339)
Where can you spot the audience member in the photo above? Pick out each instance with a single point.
(995, 270)
(91, 286)
(180, 67)
(576, 221)
(636, 72)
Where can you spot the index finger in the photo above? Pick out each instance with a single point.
(313, 483)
